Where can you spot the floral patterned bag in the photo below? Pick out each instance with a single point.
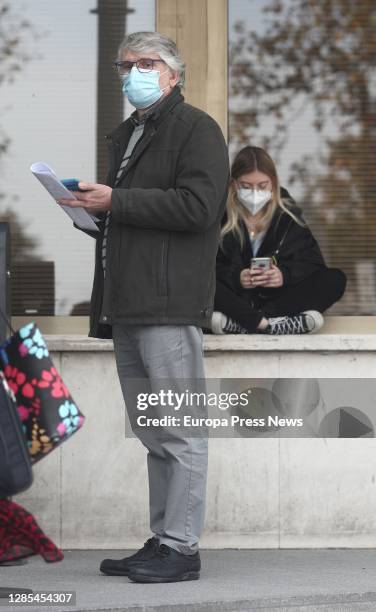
(47, 410)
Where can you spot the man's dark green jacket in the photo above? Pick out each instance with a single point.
(165, 220)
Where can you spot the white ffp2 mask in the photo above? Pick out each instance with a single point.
(254, 199)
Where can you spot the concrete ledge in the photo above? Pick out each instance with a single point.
(337, 334)
(311, 343)
(236, 343)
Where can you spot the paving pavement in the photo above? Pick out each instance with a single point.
(304, 580)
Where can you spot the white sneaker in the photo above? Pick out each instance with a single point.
(306, 322)
(220, 324)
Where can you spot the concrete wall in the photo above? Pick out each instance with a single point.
(262, 493)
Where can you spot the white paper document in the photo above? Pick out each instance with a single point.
(57, 190)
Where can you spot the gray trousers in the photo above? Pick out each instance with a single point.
(177, 464)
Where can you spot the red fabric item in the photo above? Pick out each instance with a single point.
(21, 536)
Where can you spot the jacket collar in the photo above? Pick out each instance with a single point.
(120, 137)
(154, 116)
(160, 107)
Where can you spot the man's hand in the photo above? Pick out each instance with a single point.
(95, 198)
(256, 277)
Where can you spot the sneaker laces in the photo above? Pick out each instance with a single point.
(289, 325)
(232, 327)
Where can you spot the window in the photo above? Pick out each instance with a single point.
(59, 95)
(302, 85)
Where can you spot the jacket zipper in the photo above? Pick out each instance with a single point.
(277, 250)
(114, 148)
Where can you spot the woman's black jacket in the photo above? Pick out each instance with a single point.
(295, 249)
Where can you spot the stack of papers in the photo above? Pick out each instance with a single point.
(57, 190)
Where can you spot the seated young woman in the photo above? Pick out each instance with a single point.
(271, 275)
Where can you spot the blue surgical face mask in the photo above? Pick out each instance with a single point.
(142, 87)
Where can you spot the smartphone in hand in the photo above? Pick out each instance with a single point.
(71, 184)
(261, 263)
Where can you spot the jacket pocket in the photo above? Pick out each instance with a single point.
(163, 268)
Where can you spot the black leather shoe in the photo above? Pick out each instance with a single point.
(167, 565)
(121, 567)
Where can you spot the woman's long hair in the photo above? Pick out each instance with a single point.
(251, 159)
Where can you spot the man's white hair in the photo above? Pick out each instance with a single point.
(153, 42)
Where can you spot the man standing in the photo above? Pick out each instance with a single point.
(155, 280)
